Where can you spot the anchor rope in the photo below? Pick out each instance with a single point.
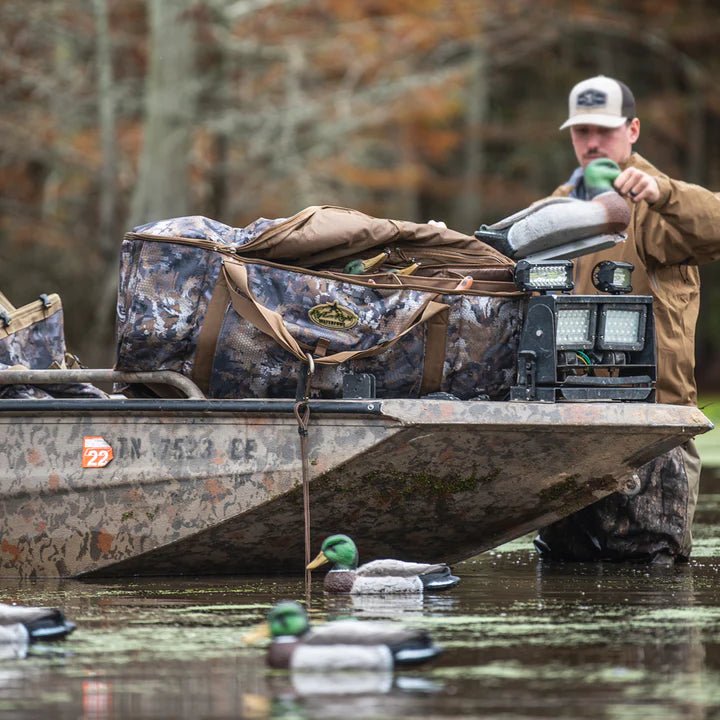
(302, 415)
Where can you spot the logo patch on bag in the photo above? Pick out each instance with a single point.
(333, 316)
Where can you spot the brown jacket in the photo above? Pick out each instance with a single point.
(666, 242)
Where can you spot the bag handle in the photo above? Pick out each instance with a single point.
(272, 323)
(6, 304)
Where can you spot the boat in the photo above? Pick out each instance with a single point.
(194, 486)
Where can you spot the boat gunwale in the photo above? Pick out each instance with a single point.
(186, 406)
(501, 415)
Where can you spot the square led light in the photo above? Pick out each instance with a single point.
(613, 277)
(622, 327)
(622, 277)
(575, 327)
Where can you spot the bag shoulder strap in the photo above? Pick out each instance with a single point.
(271, 322)
(27, 315)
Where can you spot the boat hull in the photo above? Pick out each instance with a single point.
(215, 487)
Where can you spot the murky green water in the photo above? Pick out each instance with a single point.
(521, 641)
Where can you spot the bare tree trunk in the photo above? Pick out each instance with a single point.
(106, 110)
(290, 154)
(162, 189)
(467, 208)
(109, 235)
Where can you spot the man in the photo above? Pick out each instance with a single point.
(674, 227)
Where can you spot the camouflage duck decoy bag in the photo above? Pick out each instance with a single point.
(30, 337)
(33, 337)
(239, 310)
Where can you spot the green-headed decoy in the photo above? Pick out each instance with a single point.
(379, 576)
(342, 644)
(359, 266)
(599, 176)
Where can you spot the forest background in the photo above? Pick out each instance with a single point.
(118, 112)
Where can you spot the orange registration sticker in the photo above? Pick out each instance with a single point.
(96, 452)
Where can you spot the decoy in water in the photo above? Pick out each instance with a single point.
(378, 576)
(350, 644)
(32, 623)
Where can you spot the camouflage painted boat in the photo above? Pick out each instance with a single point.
(115, 487)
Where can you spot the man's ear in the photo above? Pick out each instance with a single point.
(634, 130)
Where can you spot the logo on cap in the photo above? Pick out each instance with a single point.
(591, 98)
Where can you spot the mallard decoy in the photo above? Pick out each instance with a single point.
(358, 267)
(378, 576)
(33, 623)
(564, 227)
(342, 644)
(407, 270)
(599, 176)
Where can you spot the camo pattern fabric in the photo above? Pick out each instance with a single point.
(636, 528)
(164, 290)
(37, 346)
(249, 363)
(41, 346)
(202, 228)
(480, 355)
(21, 392)
(482, 345)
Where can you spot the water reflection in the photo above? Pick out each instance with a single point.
(522, 639)
(393, 607)
(345, 694)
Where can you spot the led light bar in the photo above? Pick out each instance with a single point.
(544, 275)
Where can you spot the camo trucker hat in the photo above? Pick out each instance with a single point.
(600, 101)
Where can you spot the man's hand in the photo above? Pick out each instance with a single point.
(637, 185)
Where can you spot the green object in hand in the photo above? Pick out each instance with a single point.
(599, 176)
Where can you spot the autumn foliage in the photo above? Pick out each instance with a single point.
(115, 113)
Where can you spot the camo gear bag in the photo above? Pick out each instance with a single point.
(32, 337)
(210, 302)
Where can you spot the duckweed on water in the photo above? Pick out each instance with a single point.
(627, 711)
(219, 608)
(157, 644)
(686, 687)
(583, 674)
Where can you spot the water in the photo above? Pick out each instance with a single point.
(521, 641)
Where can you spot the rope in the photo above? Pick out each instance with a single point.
(302, 415)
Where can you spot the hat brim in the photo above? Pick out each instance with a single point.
(608, 121)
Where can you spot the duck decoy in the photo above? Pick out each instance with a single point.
(349, 644)
(35, 623)
(408, 269)
(358, 266)
(379, 576)
(565, 227)
(599, 176)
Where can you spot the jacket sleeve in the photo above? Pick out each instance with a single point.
(683, 226)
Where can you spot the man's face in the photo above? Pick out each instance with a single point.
(593, 141)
